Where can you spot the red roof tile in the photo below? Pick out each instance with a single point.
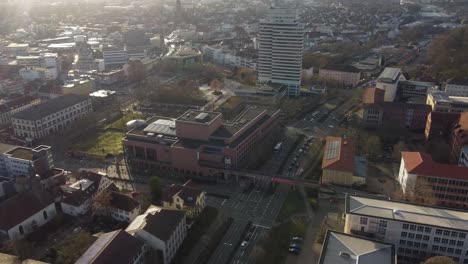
(422, 164)
(343, 159)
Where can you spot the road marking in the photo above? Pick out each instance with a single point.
(266, 227)
(223, 202)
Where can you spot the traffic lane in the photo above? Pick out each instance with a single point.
(229, 242)
(242, 255)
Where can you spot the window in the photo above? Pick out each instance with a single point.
(426, 238)
(44, 214)
(412, 227)
(405, 226)
(435, 248)
(452, 242)
(402, 242)
(437, 239)
(420, 228)
(450, 250)
(446, 233)
(444, 240)
(363, 220)
(427, 229)
(418, 237)
(460, 243)
(417, 244)
(443, 249)
(409, 243)
(454, 234)
(424, 245)
(438, 231)
(462, 235)
(458, 251)
(411, 235)
(404, 234)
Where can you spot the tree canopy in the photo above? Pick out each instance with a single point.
(155, 189)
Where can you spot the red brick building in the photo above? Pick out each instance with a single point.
(198, 143)
(439, 124)
(458, 137)
(404, 115)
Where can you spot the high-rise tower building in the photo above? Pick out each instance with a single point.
(281, 48)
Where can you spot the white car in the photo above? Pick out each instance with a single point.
(244, 244)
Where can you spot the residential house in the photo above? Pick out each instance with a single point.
(342, 74)
(184, 197)
(116, 247)
(162, 229)
(340, 165)
(24, 213)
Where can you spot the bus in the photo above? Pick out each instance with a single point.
(278, 146)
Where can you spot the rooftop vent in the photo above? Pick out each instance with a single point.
(202, 117)
(344, 255)
(395, 211)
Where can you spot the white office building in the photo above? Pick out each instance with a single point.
(418, 232)
(281, 48)
(388, 81)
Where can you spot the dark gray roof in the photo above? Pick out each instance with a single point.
(341, 67)
(52, 106)
(164, 223)
(458, 81)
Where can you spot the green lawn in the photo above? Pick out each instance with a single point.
(121, 123)
(101, 143)
(293, 204)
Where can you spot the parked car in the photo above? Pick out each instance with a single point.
(296, 246)
(244, 244)
(297, 239)
(294, 251)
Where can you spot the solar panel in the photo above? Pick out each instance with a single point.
(333, 149)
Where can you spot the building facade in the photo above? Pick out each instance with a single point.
(184, 197)
(51, 116)
(342, 74)
(457, 87)
(418, 232)
(162, 229)
(14, 106)
(281, 48)
(388, 81)
(440, 124)
(198, 143)
(442, 102)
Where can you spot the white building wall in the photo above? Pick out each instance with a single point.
(456, 90)
(76, 210)
(38, 218)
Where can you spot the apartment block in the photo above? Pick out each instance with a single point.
(417, 231)
(388, 81)
(342, 74)
(281, 48)
(457, 87)
(442, 102)
(16, 105)
(51, 116)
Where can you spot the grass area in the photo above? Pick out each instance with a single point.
(101, 143)
(275, 247)
(293, 204)
(121, 123)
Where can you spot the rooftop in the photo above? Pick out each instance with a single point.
(422, 164)
(458, 81)
(389, 75)
(157, 221)
(406, 212)
(343, 68)
(196, 116)
(339, 155)
(341, 248)
(116, 247)
(52, 106)
(21, 153)
(373, 95)
(29, 202)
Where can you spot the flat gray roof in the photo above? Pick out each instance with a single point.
(341, 248)
(389, 74)
(400, 211)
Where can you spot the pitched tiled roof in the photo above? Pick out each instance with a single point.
(22, 206)
(339, 155)
(422, 164)
(123, 202)
(52, 106)
(117, 247)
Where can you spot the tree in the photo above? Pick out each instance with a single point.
(397, 149)
(101, 202)
(439, 260)
(215, 84)
(73, 247)
(136, 70)
(422, 193)
(155, 189)
(20, 248)
(373, 147)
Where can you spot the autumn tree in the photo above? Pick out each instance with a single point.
(421, 193)
(73, 247)
(373, 147)
(136, 70)
(439, 260)
(101, 202)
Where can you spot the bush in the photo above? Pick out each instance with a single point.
(314, 204)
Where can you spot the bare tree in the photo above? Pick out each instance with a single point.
(101, 202)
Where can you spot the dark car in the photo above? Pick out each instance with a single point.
(294, 251)
(295, 246)
(297, 239)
